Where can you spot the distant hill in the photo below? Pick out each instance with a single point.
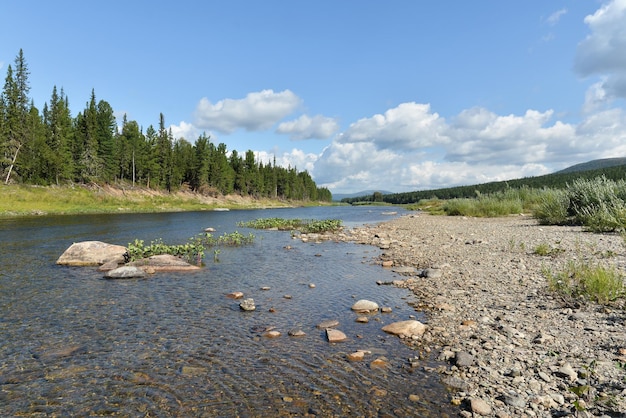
(594, 165)
(339, 196)
(611, 168)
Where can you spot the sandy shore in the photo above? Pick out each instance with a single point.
(509, 346)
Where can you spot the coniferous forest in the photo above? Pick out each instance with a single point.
(50, 146)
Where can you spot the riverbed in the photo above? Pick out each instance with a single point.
(73, 343)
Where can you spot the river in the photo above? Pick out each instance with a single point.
(75, 344)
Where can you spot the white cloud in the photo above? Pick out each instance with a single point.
(601, 135)
(602, 51)
(477, 146)
(295, 159)
(478, 135)
(595, 98)
(407, 126)
(305, 127)
(257, 111)
(185, 130)
(357, 166)
(555, 17)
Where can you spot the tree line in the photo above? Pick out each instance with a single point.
(559, 180)
(52, 147)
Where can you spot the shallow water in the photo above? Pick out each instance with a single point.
(75, 344)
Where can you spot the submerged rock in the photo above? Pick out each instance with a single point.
(335, 336)
(365, 306)
(247, 305)
(91, 253)
(164, 262)
(296, 332)
(126, 272)
(329, 323)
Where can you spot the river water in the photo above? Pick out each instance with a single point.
(75, 344)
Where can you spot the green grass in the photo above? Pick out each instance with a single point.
(590, 282)
(21, 200)
(546, 250)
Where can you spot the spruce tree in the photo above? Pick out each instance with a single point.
(17, 110)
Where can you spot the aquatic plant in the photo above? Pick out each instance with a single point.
(192, 251)
(304, 226)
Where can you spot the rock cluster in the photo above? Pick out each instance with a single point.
(509, 346)
(111, 260)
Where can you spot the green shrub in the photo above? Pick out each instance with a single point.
(596, 204)
(483, 206)
(553, 208)
(592, 282)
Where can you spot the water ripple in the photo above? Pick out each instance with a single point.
(174, 345)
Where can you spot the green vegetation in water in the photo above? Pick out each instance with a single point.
(586, 281)
(192, 251)
(304, 226)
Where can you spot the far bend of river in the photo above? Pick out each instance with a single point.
(75, 344)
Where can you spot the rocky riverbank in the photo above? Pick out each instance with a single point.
(510, 346)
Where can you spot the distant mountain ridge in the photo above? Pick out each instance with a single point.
(594, 165)
(339, 196)
(610, 168)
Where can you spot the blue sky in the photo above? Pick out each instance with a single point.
(396, 96)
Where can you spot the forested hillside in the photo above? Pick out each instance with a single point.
(53, 147)
(558, 180)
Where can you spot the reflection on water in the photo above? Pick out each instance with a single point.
(73, 343)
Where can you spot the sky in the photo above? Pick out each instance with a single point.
(395, 96)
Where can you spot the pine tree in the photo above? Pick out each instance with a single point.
(17, 110)
(163, 156)
(88, 162)
(106, 129)
(201, 164)
(58, 132)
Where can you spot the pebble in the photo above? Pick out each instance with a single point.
(505, 341)
(480, 407)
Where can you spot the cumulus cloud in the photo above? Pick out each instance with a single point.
(479, 135)
(295, 158)
(185, 130)
(477, 146)
(305, 127)
(602, 51)
(356, 166)
(257, 111)
(407, 126)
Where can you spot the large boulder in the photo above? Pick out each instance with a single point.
(91, 253)
(407, 329)
(163, 262)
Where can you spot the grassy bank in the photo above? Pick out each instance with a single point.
(598, 205)
(19, 200)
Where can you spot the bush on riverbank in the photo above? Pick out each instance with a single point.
(598, 204)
